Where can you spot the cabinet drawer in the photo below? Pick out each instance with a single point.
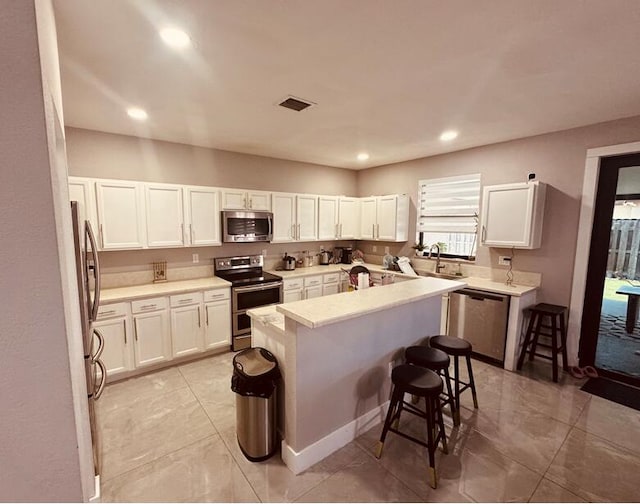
(146, 305)
(293, 283)
(112, 310)
(217, 295)
(186, 299)
(331, 278)
(312, 281)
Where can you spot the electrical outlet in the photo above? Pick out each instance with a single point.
(196, 258)
(386, 250)
(374, 249)
(504, 260)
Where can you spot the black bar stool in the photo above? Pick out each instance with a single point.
(558, 334)
(421, 382)
(438, 361)
(457, 347)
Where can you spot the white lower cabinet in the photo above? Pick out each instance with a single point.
(330, 289)
(186, 324)
(217, 319)
(152, 339)
(114, 324)
(292, 290)
(312, 287)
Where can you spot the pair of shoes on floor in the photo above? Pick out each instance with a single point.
(583, 372)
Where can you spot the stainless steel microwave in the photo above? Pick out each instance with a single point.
(243, 226)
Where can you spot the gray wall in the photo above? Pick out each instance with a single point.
(558, 159)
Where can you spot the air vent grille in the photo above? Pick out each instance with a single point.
(295, 104)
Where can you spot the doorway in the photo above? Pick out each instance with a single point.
(610, 330)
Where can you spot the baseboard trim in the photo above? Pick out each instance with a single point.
(314, 453)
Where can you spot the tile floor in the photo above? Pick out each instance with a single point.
(170, 436)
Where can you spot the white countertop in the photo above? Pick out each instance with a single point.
(160, 289)
(487, 284)
(268, 315)
(334, 308)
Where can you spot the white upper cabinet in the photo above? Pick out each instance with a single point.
(165, 215)
(295, 217)
(121, 214)
(327, 218)
(385, 218)
(240, 199)
(202, 216)
(512, 215)
(83, 191)
(348, 218)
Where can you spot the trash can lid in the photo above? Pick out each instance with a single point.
(254, 362)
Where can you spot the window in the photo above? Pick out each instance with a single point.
(448, 214)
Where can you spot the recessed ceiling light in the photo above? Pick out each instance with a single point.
(448, 135)
(175, 38)
(363, 156)
(137, 113)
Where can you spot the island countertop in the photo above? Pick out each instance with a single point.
(318, 312)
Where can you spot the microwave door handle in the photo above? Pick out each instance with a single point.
(96, 269)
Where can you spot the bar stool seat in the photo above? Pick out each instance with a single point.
(438, 361)
(457, 347)
(422, 382)
(558, 335)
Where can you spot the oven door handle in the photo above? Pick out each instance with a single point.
(255, 288)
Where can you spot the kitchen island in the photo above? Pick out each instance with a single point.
(335, 355)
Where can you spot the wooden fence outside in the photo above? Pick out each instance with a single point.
(624, 248)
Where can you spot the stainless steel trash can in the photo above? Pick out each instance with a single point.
(255, 378)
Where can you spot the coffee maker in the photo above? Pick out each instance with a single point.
(347, 255)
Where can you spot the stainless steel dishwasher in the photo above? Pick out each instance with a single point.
(480, 317)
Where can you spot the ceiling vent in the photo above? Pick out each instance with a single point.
(297, 104)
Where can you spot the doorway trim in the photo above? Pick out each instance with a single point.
(585, 225)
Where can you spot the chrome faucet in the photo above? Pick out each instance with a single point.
(438, 265)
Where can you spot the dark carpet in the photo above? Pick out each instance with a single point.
(613, 391)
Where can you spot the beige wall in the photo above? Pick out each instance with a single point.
(558, 159)
(96, 154)
(39, 456)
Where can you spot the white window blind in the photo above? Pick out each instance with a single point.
(449, 205)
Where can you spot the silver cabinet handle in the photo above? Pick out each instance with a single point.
(215, 296)
(101, 236)
(135, 330)
(199, 322)
(484, 234)
(299, 231)
(250, 202)
(103, 381)
(244, 202)
(124, 323)
(378, 231)
(206, 314)
(191, 234)
(373, 230)
(148, 307)
(185, 300)
(293, 232)
(105, 313)
(96, 356)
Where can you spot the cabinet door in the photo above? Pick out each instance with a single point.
(284, 226)
(313, 292)
(292, 295)
(307, 217)
(507, 212)
(330, 289)
(165, 220)
(387, 212)
(202, 211)
(217, 324)
(120, 215)
(327, 218)
(259, 200)
(234, 199)
(186, 330)
(82, 190)
(117, 354)
(348, 218)
(368, 219)
(152, 340)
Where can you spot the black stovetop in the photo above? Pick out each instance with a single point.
(252, 276)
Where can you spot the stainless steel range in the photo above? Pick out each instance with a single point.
(250, 287)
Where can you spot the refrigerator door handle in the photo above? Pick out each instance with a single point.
(103, 380)
(96, 356)
(96, 270)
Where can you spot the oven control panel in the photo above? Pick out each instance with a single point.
(231, 263)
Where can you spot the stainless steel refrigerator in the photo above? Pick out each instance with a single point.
(88, 273)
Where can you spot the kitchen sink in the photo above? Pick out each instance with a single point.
(446, 276)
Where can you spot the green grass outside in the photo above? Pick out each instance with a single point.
(611, 285)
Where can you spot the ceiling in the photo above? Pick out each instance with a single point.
(388, 77)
